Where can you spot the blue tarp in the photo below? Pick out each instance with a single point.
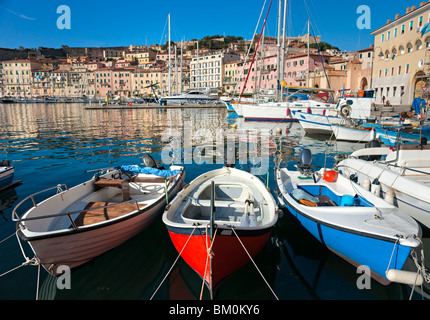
(135, 169)
(416, 104)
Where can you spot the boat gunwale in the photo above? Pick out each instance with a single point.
(225, 171)
(294, 205)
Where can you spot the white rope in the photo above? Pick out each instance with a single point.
(255, 264)
(171, 268)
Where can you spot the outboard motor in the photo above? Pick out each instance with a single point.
(372, 144)
(305, 162)
(149, 161)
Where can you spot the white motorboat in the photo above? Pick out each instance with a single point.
(347, 108)
(353, 133)
(402, 178)
(192, 97)
(78, 224)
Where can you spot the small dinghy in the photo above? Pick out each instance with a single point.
(360, 227)
(78, 224)
(220, 220)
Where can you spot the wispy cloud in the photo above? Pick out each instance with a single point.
(23, 16)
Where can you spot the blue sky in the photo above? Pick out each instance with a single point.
(113, 23)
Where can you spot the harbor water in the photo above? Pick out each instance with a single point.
(51, 144)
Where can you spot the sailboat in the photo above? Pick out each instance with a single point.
(280, 110)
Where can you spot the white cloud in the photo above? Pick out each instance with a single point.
(23, 16)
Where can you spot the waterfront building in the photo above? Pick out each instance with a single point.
(401, 56)
(207, 71)
(113, 81)
(231, 74)
(17, 77)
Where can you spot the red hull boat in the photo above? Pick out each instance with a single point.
(220, 221)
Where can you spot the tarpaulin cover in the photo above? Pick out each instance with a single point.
(135, 169)
(416, 104)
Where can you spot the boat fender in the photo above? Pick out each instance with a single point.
(376, 187)
(324, 111)
(330, 176)
(309, 110)
(366, 184)
(288, 111)
(389, 196)
(405, 277)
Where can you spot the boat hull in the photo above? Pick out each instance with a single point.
(360, 250)
(344, 133)
(6, 176)
(317, 124)
(228, 252)
(282, 112)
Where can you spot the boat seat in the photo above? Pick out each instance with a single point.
(103, 211)
(118, 183)
(325, 201)
(154, 179)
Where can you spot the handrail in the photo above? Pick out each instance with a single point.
(14, 212)
(405, 168)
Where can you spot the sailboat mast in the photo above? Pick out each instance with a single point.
(309, 36)
(283, 49)
(170, 62)
(278, 67)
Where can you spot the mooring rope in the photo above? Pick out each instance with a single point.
(262, 276)
(209, 254)
(171, 268)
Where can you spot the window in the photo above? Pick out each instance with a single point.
(400, 69)
(395, 33)
(388, 35)
(419, 44)
(421, 22)
(382, 38)
(410, 47)
(403, 29)
(411, 25)
(394, 91)
(407, 68)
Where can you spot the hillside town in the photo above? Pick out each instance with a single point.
(394, 66)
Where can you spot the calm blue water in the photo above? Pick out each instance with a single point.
(56, 143)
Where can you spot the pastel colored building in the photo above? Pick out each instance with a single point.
(400, 66)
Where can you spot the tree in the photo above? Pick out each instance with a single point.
(323, 46)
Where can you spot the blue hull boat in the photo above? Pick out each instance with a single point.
(358, 226)
(6, 174)
(394, 136)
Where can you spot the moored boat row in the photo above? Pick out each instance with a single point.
(223, 219)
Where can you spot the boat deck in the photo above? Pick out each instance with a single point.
(96, 212)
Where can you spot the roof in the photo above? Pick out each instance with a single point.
(423, 7)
